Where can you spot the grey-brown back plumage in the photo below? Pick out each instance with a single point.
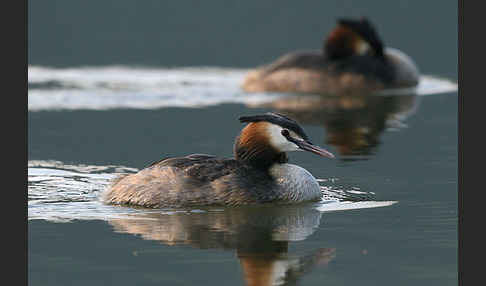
(194, 180)
(367, 66)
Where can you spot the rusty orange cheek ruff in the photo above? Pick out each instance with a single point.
(254, 134)
(343, 42)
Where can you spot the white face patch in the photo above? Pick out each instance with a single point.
(362, 47)
(278, 141)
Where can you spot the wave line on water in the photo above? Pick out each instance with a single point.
(113, 87)
(63, 192)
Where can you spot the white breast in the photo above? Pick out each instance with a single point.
(406, 70)
(296, 183)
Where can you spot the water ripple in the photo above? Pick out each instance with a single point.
(103, 88)
(62, 192)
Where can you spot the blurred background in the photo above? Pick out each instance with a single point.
(228, 33)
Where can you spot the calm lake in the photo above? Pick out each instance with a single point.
(114, 88)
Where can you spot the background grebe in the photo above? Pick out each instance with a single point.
(259, 173)
(353, 58)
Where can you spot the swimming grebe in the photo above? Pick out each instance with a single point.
(353, 58)
(259, 173)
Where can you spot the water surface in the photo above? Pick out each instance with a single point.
(389, 215)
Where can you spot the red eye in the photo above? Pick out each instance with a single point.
(285, 132)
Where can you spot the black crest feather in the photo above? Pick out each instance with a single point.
(365, 29)
(278, 119)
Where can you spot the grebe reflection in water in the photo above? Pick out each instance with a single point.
(260, 235)
(353, 123)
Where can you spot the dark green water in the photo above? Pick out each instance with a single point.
(412, 242)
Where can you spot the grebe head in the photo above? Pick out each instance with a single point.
(353, 37)
(267, 138)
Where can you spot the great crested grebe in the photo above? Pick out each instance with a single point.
(259, 173)
(353, 58)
